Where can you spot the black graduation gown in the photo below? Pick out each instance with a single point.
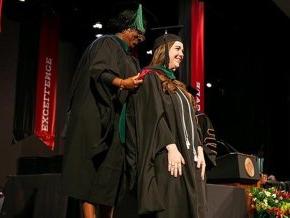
(94, 156)
(208, 139)
(153, 120)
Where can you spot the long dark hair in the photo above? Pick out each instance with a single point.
(168, 85)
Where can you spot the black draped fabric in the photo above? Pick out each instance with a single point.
(94, 156)
(26, 80)
(153, 121)
(184, 13)
(208, 139)
(34, 196)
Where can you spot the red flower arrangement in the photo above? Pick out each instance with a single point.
(270, 202)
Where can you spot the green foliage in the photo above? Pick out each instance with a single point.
(270, 202)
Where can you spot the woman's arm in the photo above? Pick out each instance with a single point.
(129, 83)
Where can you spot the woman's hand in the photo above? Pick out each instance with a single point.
(131, 82)
(175, 160)
(201, 161)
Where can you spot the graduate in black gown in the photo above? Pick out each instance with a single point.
(94, 157)
(164, 153)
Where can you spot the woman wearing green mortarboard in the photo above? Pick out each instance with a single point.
(94, 156)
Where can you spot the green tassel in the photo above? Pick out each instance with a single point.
(138, 21)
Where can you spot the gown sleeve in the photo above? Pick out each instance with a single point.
(107, 78)
(104, 57)
(148, 134)
(208, 139)
(104, 64)
(108, 61)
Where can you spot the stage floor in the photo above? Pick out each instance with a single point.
(40, 196)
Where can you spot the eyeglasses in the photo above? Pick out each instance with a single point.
(140, 35)
(136, 34)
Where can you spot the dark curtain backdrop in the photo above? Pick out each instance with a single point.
(247, 59)
(8, 58)
(185, 20)
(26, 79)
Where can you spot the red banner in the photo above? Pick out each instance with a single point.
(1, 4)
(197, 51)
(44, 127)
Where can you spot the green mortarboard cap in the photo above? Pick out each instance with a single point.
(138, 22)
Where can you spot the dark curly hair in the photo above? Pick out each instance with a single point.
(122, 21)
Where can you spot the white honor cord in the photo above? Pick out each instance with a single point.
(192, 128)
(183, 122)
